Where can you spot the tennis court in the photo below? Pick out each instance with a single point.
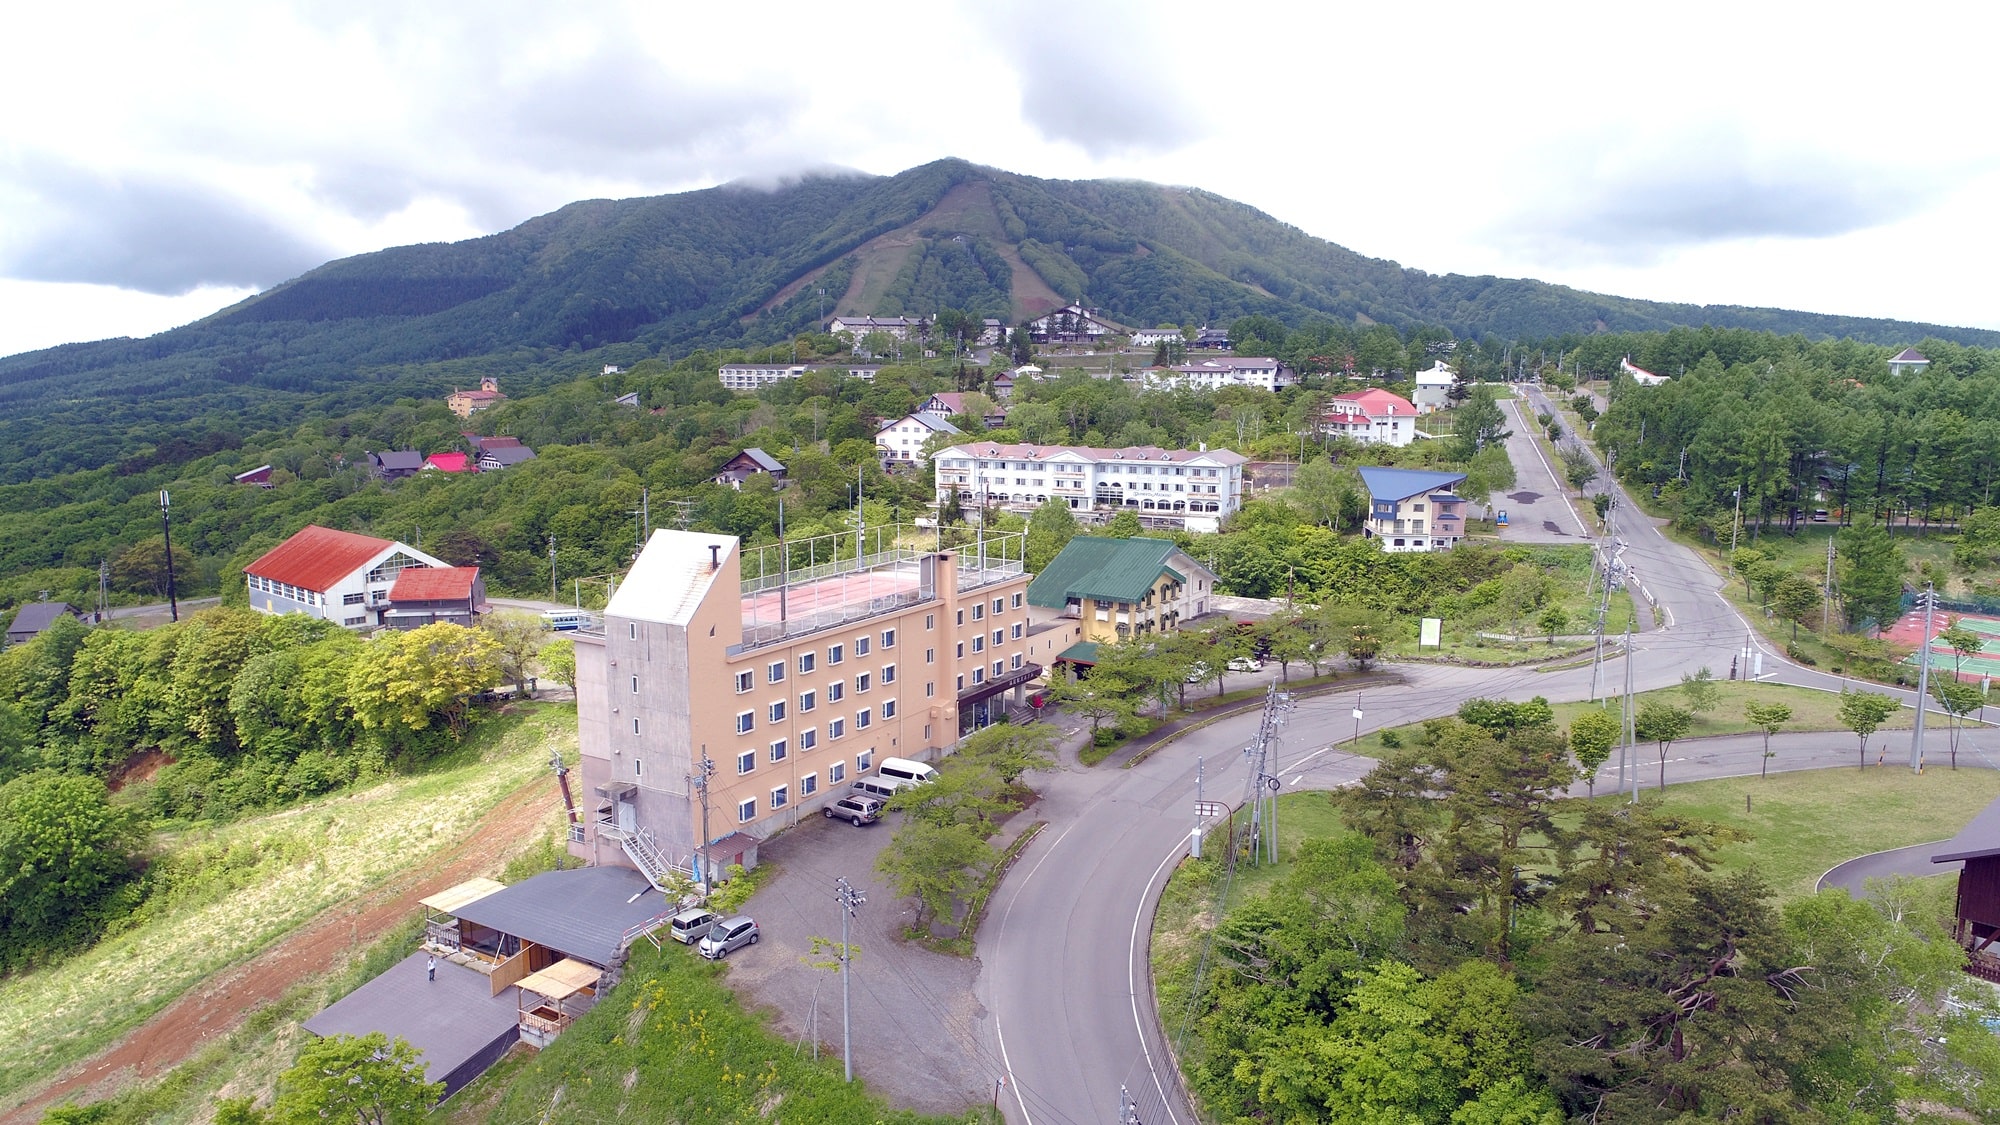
(1909, 630)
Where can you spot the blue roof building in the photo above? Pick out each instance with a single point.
(1413, 509)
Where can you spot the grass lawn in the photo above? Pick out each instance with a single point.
(1804, 823)
(246, 884)
(671, 1043)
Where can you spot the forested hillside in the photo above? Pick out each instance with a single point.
(626, 280)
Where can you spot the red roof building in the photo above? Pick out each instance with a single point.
(426, 596)
(1373, 416)
(335, 575)
(451, 463)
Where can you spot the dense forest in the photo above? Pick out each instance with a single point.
(1484, 949)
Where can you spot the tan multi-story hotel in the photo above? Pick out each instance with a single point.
(780, 677)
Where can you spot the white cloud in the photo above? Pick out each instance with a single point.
(1714, 153)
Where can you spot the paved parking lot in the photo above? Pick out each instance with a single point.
(919, 1035)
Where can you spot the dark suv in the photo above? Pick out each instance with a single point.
(856, 808)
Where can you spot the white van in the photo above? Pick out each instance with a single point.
(905, 770)
(883, 787)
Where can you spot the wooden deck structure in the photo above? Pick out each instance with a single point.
(553, 997)
(1978, 925)
(441, 927)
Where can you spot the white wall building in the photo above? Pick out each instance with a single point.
(1433, 387)
(902, 441)
(334, 575)
(1176, 487)
(750, 376)
(1262, 372)
(1372, 417)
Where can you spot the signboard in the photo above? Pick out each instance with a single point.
(1209, 809)
(1357, 714)
(1432, 633)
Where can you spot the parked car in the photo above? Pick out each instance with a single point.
(1197, 672)
(727, 936)
(1246, 664)
(689, 925)
(855, 808)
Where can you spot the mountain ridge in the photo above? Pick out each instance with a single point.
(744, 264)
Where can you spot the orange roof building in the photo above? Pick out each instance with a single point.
(467, 403)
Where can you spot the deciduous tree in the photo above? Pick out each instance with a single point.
(1662, 724)
(1768, 717)
(1864, 712)
(366, 1079)
(1591, 736)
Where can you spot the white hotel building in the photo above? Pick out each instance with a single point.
(1262, 372)
(1193, 489)
(750, 376)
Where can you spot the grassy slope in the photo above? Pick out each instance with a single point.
(672, 1044)
(265, 876)
(1804, 823)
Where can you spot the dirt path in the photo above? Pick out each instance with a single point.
(216, 1006)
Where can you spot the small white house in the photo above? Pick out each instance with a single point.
(1433, 387)
(902, 441)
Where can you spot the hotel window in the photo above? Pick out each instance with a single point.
(998, 667)
(961, 650)
(808, 785)
(808, 738)
(999, 604)
(930, 690)
(1017, 662)
(835, 654)
(888, 673)
(862, 719)
(888, 638)
(961, 683)
(635, 685)
(835, 691)
(746, 810)
(888, 708)
(930, 656)
(979, 611)
(638, 767)
(632, 630)
(778, 797)
(746, 721)
(979, 643)
(746, 761)
(861, 684)
(864, 760)
(861, 646)
(930, 620)
(776, 672)
(635, 726)
(836, 727)
(1018, 629)
(961, 617)
(778, 750)
(806, 702)
(745, 681)
(979, 675)
(999, 635)
(805, 663)
(836, 773)
(778, 711)
(353, 599)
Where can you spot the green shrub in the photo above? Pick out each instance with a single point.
(1801, 656)
(1391, 739)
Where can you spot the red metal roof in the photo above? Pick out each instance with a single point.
(318, 557)
(448, 462)
(434, 584)
(1378, 403)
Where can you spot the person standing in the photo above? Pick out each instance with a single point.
(431, 967)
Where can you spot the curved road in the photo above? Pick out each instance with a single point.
(1064, 945)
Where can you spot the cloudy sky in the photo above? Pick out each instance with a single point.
(159, 161)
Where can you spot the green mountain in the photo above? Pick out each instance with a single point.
(739, 265)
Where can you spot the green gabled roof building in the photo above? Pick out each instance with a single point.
(1117, 587)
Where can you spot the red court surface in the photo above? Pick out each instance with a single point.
(1908, 631)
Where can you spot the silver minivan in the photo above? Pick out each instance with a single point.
(689, 925)
(727, 936)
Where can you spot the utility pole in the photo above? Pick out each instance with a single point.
(698, 781)
(1929, 598)
(103, 590)
(1826, 610)
(1262, 783)
(1631, 731)
(1128, 1110)
(1735, 522)
(849, 898)
(1194, 848)
(553, 595)
(167, 533)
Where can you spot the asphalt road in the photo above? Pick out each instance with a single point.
(1064, 946)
